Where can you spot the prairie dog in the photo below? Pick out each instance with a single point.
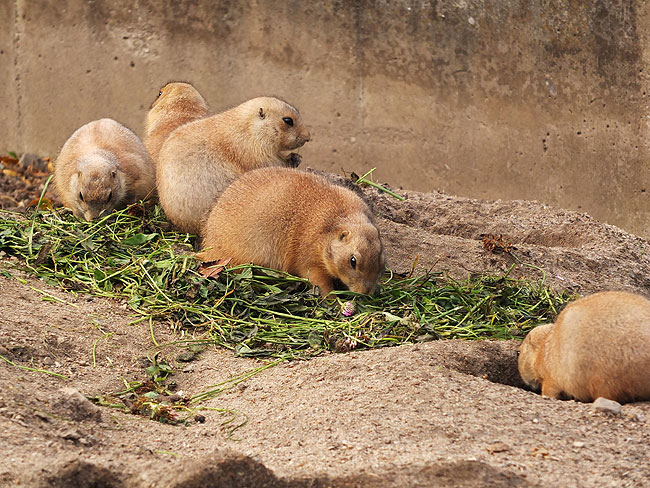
(297, 222)
(201, 158)
(177, 104)
(101, 167)
(597, 347)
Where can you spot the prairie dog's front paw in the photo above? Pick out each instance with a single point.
(294, 160)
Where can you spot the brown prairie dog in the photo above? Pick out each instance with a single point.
(201, 158)
(177, 104)
(101, 167)
(298, 222)
(598, 347)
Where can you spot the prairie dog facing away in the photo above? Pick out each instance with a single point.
(597, 347)
(297, 222)
(201, 158)
(177, 104)
(101, 167)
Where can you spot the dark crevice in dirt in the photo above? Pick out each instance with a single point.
(495, 361)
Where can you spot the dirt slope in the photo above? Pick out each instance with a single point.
(419, 415)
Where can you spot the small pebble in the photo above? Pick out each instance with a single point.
(74, 405)
(578, 444)
(496, 447)
(71, 435)
(186, 356)
(603, 405)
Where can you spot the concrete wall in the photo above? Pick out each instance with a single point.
(541, 99)
(9, 103)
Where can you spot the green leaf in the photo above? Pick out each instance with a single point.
(204, 291)
(315, 339)
(138, 239)
(245, 274)
(392, 318)
(164, 263)
(242, 334)
(242, 350)
(165, 368)
(88, 245)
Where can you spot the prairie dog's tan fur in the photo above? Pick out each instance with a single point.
(102, 166)
(598, 347)
(298, 222)
(201, 158)
(177, 104)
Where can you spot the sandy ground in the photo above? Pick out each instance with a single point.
(446, 413)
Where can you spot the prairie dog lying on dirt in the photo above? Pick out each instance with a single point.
(599, 346)
(177, 104)
(101, 167)
(298, 222)
(201, 158)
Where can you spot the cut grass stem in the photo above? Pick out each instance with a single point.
(131, 255)
(34, 370)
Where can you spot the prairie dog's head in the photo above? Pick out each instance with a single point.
(277, 123)
(356, 257)
(176, 98)
(97, 186)
(533, 345)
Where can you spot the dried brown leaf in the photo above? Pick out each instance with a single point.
(45, 203)
(212, 269)
(11, 172)
(8, 160)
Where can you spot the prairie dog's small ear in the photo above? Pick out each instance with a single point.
(344, 234)
(262, 114)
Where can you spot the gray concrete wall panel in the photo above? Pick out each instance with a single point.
(543, 100)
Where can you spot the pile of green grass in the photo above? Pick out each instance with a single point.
(135, 256)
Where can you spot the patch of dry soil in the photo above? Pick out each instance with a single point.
(446, 413)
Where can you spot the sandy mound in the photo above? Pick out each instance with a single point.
(445, 413)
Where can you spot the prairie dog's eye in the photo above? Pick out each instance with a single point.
(110, 195)
(81, 196)
(160, 93)
(288, 121)
(353, 262)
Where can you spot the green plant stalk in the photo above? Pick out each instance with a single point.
(364, 180)
(35, 370)
(259, 312)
